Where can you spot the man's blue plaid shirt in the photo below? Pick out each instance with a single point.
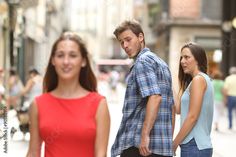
(149, 75)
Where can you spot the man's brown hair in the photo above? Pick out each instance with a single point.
(133, 25)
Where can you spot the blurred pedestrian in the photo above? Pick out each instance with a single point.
(195, 105)
(218, 85)
(2, 93)
(146, 126)
(3, 107)
(114, 79)
(70, 117)
(2, 102)
(3, 113)
(2, 88)
(33, 87)
(15, 86)
(230, 93)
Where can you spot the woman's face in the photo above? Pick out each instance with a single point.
(188, 62)
(68, 60)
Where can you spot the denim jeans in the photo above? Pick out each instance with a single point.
(231, 104)
(190, 150)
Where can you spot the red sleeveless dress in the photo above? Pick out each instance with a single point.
(68, 126)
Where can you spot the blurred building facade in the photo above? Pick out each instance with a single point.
(229, 35)
(173, 23)
(95, 22)
(44, 24)
(3, 16)
(37, 23)
(28, 35)
(167, 24)
(196, 21)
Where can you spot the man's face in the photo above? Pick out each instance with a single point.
(131, 43)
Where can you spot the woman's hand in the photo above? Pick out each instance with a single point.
(175, 146)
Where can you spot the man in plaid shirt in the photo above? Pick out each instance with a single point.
(148, 113)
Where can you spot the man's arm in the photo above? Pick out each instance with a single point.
(152, 109)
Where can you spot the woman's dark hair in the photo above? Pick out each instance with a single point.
(86, 78)
(200, 56)
(33, 71)
(12, 72)
(134, 26)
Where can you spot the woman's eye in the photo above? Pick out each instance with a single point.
(59, 55)
(73, 55)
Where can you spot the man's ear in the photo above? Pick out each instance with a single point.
(141, 37)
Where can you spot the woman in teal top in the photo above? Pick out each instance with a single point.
(196, 105)
(218, 85)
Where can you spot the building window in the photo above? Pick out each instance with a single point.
(208, 9)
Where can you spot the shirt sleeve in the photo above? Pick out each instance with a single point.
(147, 78)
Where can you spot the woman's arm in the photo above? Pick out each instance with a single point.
(197, 91)
(11, 81)
(103, 129)
(35, 140)
(27, 87)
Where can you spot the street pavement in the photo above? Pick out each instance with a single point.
(224, 140)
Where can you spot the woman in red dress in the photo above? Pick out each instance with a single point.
(70, 117)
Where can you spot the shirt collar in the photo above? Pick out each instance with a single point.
(145, 49)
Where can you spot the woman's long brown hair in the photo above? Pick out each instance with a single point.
(86, 78)
(201, 58)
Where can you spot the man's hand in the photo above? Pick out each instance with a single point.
(143, 147)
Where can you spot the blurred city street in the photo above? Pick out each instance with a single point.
(29, 29)
(224, 141)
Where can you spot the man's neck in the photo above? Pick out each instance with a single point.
(139, 52)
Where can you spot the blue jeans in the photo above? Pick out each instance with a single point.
(190, 150)
(231, 104)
